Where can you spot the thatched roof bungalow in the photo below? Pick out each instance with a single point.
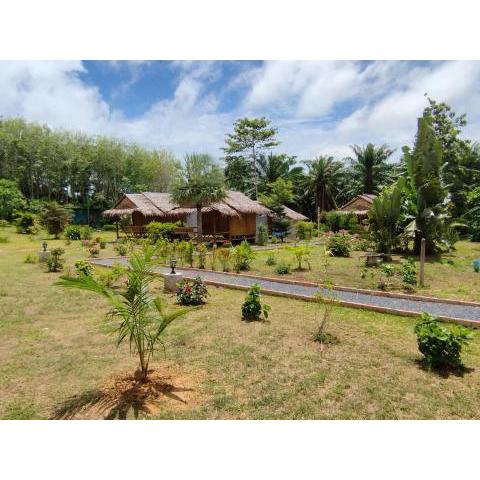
(359, 205)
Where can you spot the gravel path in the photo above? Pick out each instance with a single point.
(445, 310)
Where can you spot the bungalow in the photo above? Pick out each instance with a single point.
(234, 218)
(359, 205)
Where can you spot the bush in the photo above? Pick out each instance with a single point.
(87, 232)
(191, 292)
(121, 249)
(409, 274)
(202, 255)
(262, 235)
(243, 256)
(108, 276)
(73, 232)
(224, 256)
(304, 230)
(301, 253)
(31, 258)
(339, 245)
(252, 307)
(11, 199)
(158, 230)
(26, 223)
(83, 268)
(4, 223)
(283, 268)
(271, 260)
(94, 250)
(102, 244)
(55, 261)
(55, 218)
(441, 347)
(108, 227)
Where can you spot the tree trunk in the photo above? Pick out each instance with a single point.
(199, 221)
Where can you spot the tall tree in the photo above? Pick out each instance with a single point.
(250, 138)
(322, 181)
(370, 167)
(273, 166)
(424, 166)
(200, 183)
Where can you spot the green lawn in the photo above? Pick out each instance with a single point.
(55, 355)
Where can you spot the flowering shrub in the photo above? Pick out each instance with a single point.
(73, 232)
(83, 268)
(191, 292)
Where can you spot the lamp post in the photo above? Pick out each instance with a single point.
(44, 246)
(173, 263)
(44, 254)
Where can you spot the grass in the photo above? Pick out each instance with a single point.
(55, 355)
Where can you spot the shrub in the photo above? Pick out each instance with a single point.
(86, 232)
(224, 256)
(337, 221)
(108, 276)
(158, 230)
(283, 268)
(83, 268)
(55, 218)
(271, 260)
(102, 244)
(108, 227)
(339, 245)
(27, 223)
(94, 250)
(243, 256)
(301, 253)
(31, 258)
(11, 199)
(213, 257)
(409, 274)
(55, 261)
(121, 249)
(252, 307)
(191, 292)
(73, 232)
(3, 223)
(304, 230)
(262, 235)
(189, 249)
(441, 346)
(202, 255)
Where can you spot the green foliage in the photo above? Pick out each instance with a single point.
(4, 223)
(202, 255)
(339, 245)
(73, 232)
(137, 315)
(337, 221)
(304, 230)
(108, 227)
(26, 223)
(384, 217)
(158, 230)
(224, 256)
(191, 292)
(281, 192)
(108, 276)
(11, 199)
(189, 250)
(282, 268)
(271, 259)
(94, 250)
(214, 257)
(250, 137)
(242, 256)
(262, 235)
(441, 346)
(31, 258)
(87, 232)
(121, 249)
(252, 308)
(301, 254)
(409, 274)
(55, 262)
(55, 218)
(4, 239)
(83, 268)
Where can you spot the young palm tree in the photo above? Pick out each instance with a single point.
(273, 166)
(370, 166)
(137, 315)
(324, 180)
(201, 183)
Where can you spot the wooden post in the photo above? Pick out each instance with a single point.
(318, 221)
(421, 280)
(116, 223)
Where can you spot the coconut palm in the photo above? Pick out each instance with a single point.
(370, 167)
(323, 179)
(200, 183)
(273, 166)
(137, 315)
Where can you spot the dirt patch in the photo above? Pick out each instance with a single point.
(125, 395)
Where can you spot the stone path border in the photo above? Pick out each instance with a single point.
(467, 313)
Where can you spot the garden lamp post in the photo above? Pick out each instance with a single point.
(173, 263)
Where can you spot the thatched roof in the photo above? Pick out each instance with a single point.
(293, 215)
(156, 204)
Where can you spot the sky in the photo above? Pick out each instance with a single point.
(319, 107)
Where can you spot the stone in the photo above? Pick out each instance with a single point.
(44, 255)
(171, 280)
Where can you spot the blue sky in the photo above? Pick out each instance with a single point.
(319, 107)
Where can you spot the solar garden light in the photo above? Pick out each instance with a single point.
(44, 255)
(44, 245)
(172, 278)
(173, 262)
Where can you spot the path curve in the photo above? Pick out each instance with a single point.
(467, 314)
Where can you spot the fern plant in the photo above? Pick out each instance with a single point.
(137, 315)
